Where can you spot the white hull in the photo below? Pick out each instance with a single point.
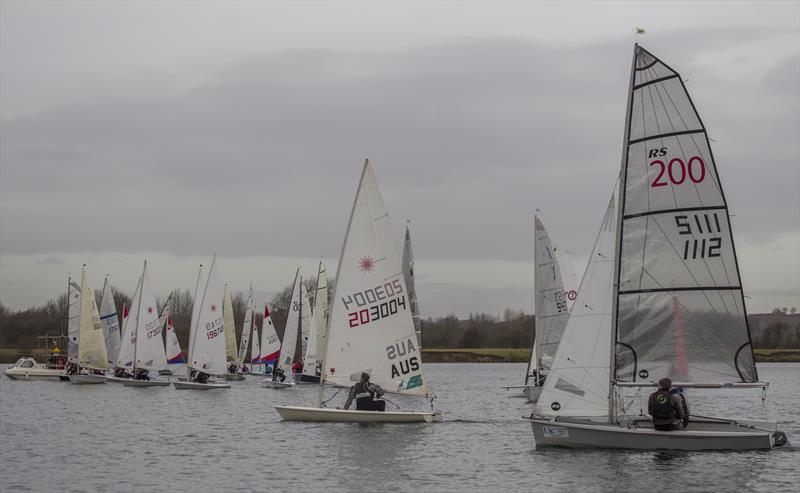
(145, 383)
(638, 434)
(274, 384)
(315, 414)
(183, 385)
(113, 379)
(87, 379)
(32, 373)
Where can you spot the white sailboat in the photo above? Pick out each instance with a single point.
(92, 355)
(307, 319)
(247, 330)
(207, 337)
(110, 322)
(282, 374)
(315, 357)
(662, 294)
(270, 343)
(411, 285)
(123, 368)
(73, 328)
(371, 328)
(231, 353)
(145, 326)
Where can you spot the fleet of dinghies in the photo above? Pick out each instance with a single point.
(660, 296)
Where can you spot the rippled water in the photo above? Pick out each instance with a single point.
(62, 437)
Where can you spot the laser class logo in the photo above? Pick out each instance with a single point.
(644, 373)
(213, 308)
(555, 406)
(366, 264)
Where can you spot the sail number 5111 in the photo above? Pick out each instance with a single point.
(675, 171)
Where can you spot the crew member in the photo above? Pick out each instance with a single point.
(667, 409)
(367, 395)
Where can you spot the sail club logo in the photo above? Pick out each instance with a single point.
(366, 264)
(382, 301)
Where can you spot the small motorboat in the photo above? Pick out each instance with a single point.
(26, 368)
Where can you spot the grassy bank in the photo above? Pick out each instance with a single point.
(777, 355)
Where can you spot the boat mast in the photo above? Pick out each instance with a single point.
(618, 243)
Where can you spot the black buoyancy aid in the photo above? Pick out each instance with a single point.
(364, 396)
(663, 410)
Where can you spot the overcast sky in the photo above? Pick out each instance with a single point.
(170, 131)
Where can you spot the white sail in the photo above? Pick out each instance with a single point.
(231, 353)
(680, 306)
(208, 329)
(255, 349)
(110, 323)
(91, 343)
(270, 343)
(307, 319)
(321, 317)
(578, 382)
(73, 319)
(290, 329)
(569, 277)
(371, 327)
(174, 352)
(125, 358)
(195, 307)
(247, 329)
(551, 305)
(149, 347)
(408, 274)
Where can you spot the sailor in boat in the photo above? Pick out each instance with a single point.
(141, 374)
(278, 375)
(297, 367)
(367, 396)
(120, 372)
(71, 369)
(668, 407)
(232, 368)
(201, 377)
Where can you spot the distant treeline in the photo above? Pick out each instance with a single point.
(20, 329)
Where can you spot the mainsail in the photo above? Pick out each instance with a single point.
(321, 317)
(195, 307)
(255, 350)
(307, 319)
(92, 344)
(371, 326)
(73, 319)
(578, 381)
(247, 328)
(680, 309)
(110, 323)
(551, 306)
(207, 332)
(408, 274)
(270, 343)
(128, 336)
(174, 353)
(149, 346)
(231, 354)
(290, 329)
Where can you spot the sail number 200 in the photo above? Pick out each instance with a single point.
(675, 171)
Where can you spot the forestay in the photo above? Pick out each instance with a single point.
(290, 329)
(127, 345)
(73, 320)
(551, 306)
(371, 327)
(231, 354)
(270, 343)
(208, 329)
(578, 383)
(247, 328)
(110, 323)
(307, 319)
(92, 344)
(149, 346)
(680, 307)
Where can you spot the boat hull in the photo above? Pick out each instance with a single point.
(146, 383)
(639, 435)
(273, 384)
(308, 379)
(113, 379)
(184, 385)
(325, 415)
(32, 374)
(87, 379)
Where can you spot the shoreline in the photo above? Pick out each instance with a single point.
(459, 355)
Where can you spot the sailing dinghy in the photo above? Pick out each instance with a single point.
(662, 294)
(270, 343)
(92, 354)
(148, 346)
(110, 323)
(371, 328)
(174, 353)
(411, 285)
(314, 356)
(282, 377)
(73, 327)
(206, 337)
(551, 312)
(231, 353)
(247, 329)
